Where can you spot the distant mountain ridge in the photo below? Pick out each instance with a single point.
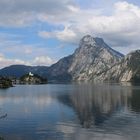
(94, 60)
(20, 70)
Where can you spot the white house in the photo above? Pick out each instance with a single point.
(30, 74)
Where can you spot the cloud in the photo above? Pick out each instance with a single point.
(43, 61)
(119, 29)
(22, 53)
(119, 25)
(66, 35)
(12, 44)
(6, 61)
(37, 61)
(22, 12)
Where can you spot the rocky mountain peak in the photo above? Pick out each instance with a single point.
(91, 41)
(88, 43)
(92, 57)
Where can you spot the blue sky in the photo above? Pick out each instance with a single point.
(40, 32)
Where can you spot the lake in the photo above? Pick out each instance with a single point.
(70, 112)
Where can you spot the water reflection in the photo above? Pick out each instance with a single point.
(71, 112)
(3, 116)
(1, 138)
(96, 103)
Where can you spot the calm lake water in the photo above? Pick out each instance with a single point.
(70, 112)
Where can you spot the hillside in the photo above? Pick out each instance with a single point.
(32, 79)
(5, 82)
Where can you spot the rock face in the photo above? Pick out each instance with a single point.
(94, 60)
(60, 70)
(91, 59)
(128, 70)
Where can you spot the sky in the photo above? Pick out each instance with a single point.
(40, 32)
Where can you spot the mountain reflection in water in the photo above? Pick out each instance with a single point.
(95, 104)
(71, 112)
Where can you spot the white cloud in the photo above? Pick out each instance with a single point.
(6, 61)
(120, 29)
(67, 35)
(11, 44)
(22, 12)
(43, 61)
(37, 61)
(25, 54)
(28, 51)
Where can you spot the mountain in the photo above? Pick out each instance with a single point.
(60, 70)
(92, 57)
(20, 70)
(128, 70)
(94, 60)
